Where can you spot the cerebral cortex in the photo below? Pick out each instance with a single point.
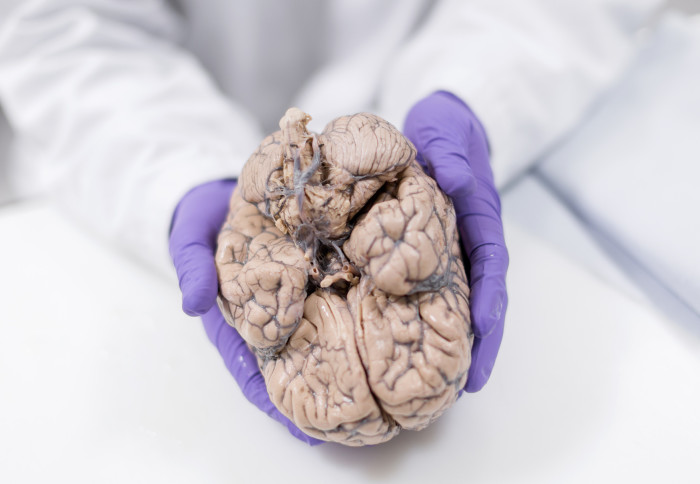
(340, 266)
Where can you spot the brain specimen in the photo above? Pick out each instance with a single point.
(339, 264)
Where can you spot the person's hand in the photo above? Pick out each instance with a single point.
(195, 227)
(453, 149)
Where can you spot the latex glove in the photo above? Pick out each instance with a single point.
(195, 227)
(453, 149)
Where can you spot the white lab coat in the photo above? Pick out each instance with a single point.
(118, 108)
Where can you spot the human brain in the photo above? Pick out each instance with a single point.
(339, 264)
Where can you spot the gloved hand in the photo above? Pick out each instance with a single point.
(453, 149)
(195, 227)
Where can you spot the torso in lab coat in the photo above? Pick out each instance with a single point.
(112, 118)
(325, 56)
(268, 55)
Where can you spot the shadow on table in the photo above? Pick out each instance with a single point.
(381, 461)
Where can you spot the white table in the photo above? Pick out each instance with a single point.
(103, 379)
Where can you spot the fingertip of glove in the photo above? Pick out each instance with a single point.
(484, 354)
(197, 304)
(478, 376)
(193, 312)
(488, 312)
(199, 290)
(189, 311)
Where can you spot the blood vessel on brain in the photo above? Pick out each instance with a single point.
(339, 264)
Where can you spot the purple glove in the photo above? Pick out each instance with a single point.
(453, 149)
(195, 227)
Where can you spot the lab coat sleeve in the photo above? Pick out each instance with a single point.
(113, 118)
(529, 69)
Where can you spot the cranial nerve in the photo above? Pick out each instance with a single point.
(339, 264)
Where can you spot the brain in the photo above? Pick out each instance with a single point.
(339, 264)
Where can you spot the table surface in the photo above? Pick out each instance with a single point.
(103, 379)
